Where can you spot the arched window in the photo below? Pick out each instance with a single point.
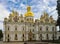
(8, 38)
(53, 36)
(40, 28)
(23, 28)
(41, 21)
(40, 36)
(33, 25)
(47, 28)
(23, 37)
(30, 19)
(33, 30)
(22, 21)
(52, 28)
(33, 35)
(8, 27)
(47, 36)
(15, 28)
(8, 35)
(27, 19)
(15, 36)
(47, 20)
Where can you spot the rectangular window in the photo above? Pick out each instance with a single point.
(47, 37)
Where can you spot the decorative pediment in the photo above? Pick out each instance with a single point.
(14, 17)
(46, 19)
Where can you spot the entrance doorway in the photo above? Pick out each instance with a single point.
(8, 40)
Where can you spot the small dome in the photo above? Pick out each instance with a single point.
(29, 12)
(14, 13)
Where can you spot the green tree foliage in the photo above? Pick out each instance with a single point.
(58, 9)
(1, 34)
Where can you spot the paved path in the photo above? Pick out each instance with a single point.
(1, 42)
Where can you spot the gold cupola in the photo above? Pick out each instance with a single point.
(29, 12)
(12, 13)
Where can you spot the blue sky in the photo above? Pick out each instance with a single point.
(38, 7)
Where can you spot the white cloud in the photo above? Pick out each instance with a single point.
(55, 15)
(1, 26)
(38, 5)
(15, 1)
(22, 5)
(3, 13)
(37, 15)
(51, 10)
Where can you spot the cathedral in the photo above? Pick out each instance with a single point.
(26, 28)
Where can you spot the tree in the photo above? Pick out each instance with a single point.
(1, 34)
(58, 9)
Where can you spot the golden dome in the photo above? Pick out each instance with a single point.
(29, 12)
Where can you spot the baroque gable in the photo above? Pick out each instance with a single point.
(14, 17)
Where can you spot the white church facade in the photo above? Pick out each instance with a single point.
(26, 28)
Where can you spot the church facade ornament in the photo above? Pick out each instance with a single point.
(25, 27)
